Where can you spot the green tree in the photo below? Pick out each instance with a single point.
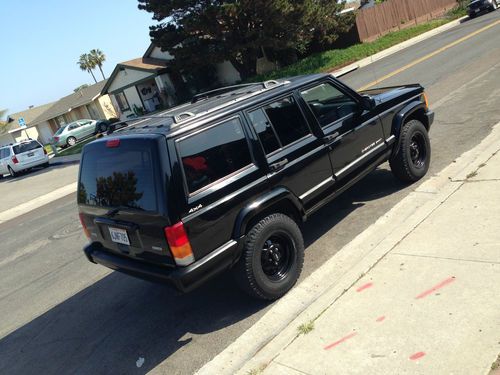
(86, 64)
(81, 87)
(200, 32)
(98, 58)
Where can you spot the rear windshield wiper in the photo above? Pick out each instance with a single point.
(117, 209)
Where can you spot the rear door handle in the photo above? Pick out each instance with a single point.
(274, 167)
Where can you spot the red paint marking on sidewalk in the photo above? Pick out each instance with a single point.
(345, 338)
(380, 318)
(363, 287)
(436, 287)
(417, 355)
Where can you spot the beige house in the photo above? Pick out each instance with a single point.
(147, 84)
(42, 122)
(12, 131)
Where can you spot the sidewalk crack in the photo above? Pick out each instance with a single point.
(447, 258)
(291, 368)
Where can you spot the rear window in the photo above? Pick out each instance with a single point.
(118, 177)
(25, 147)
(60, 130)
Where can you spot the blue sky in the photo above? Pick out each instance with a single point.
(42, 40)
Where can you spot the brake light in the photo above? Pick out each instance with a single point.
(14, 160)
(45, 151)
(56, 139)
(113, 143)
(179, 244)
(84, 226)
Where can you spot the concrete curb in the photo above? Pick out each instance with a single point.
(278, 327)
(396, 48)
(36, 203)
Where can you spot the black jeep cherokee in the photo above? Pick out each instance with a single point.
(225, 181)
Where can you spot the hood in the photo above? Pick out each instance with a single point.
(387, 94)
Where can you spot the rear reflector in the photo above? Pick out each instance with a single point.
(14, 160)
(113, 143)
(178, 242)
(84, 226)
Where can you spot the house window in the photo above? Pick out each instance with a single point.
(122, 102)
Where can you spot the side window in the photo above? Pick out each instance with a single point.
(213, 154)
(287, 120)
(279, 124)
(328, 103)
(73, 126)
(264, 130)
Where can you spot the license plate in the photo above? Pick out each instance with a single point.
(30, 154)
(119, 236)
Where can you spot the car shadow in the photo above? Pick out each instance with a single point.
(111, 324)
(378, 184)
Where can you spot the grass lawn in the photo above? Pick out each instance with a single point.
(76, 149)
(333, 59)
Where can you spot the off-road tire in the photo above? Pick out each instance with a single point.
(402, 165)
(249, 272)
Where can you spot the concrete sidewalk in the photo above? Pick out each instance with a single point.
(417, 293)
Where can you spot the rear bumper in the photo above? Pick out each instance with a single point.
(184, 279)
(22, 166)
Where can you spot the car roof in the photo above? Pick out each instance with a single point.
(213, 104)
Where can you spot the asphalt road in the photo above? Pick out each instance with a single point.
(61, 314)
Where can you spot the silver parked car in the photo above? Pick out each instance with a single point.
(69, 134)
(21, 156)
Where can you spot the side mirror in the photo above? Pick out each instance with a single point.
(368, 102)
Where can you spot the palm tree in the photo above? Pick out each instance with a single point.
(85, 63)
(98, 57)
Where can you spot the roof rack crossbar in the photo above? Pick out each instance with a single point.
(208, 94)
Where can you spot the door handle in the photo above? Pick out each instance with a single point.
(330, 138)
(274, 167)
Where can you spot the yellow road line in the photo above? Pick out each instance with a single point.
(427, 57)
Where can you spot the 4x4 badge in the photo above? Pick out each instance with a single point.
(194, 209)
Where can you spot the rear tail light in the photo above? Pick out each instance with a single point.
(179, 244)
(14, 160)
(45, 151)
(84, 226)
(56, 139)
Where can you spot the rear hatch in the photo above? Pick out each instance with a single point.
(28, 152)
(122, 196)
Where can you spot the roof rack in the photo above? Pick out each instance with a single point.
(184, 116)
(211, 93)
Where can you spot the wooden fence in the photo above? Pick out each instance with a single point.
(391, 15)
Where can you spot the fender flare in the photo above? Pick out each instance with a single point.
(268, 199)
(400, 119)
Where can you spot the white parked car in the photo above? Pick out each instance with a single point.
(21, 156)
